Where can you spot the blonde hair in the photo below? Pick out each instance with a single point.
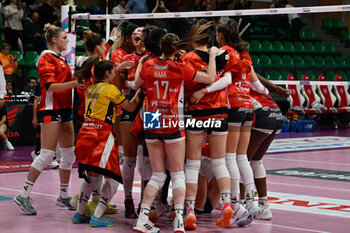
(51, 31)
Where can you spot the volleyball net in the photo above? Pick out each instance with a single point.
(280, 44)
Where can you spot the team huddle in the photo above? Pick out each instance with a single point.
(199, 117)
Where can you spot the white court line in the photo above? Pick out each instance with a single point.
(308, 186)
(308, 161)
(265, 224)
(26, 172)
(288, 227)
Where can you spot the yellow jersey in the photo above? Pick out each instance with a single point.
(100, 100)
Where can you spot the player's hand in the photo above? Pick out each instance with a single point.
(282, 92)
(35, 122)
(214, 50)
(126, 65)
(198, 95)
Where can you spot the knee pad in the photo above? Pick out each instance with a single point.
(231, 165)
(178, 179)
(205, 169)
(45, 157)
(219, 168)
(68, 158)
(157, 180)
(146, 169)
(258, 169)
(192, 170)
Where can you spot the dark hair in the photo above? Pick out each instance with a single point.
(168, 44)
(124, 30)
(147, 30)
(91, 40)
(99, 70)
(199, 34)
(231, 35)
(4, 45)
(152, 41)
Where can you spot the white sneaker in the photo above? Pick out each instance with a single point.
(54, 164)
(265, 212)
(145, 227)
(253, 209)
(178, 226)
(34, 155)
(8, 145)
(241, 216)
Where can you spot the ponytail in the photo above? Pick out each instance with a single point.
(229, 30)
(94, 67)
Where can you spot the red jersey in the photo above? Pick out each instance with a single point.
(264, 99)
(240, 67)
(164, 90)
(217, 100)
(118, 56)
(53, 68)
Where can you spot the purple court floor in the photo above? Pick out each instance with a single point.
(309, 191)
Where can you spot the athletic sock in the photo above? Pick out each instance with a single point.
(263, 201)
(128, 175)
(109, 188)
(96, 192)
(144, 212)
(189, 202)
(64, 190)
(225, 196)
(27, 188)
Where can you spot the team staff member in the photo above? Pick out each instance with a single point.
(162, 80)
(95, 149)
(55, 110)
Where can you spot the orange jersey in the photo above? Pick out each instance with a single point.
(264, 99)
(118, 56)
(164, 89)
(135, 57)
(53, 68)
(198, 60)
(240, 67)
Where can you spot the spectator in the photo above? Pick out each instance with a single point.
(174, 5)
(243, 4)
(4, 127)
(223, 4)
(13, 23)
(9, 89)
(47, 14)
(2, 86)
(137, 6)
(160, 7)
(198, 6)
(32, 32)
(119, 9)
(31, 84)
(8, 62)
(57, 7)
(28, 5)
(294, 20)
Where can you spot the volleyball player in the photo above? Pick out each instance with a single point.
(267, 125)
(240, 115)
(212, 106)
(55, 110)
(161, 79)
(95, 149)
(129, 142)
(96, 45)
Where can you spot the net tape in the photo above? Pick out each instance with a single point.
(268, 11)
